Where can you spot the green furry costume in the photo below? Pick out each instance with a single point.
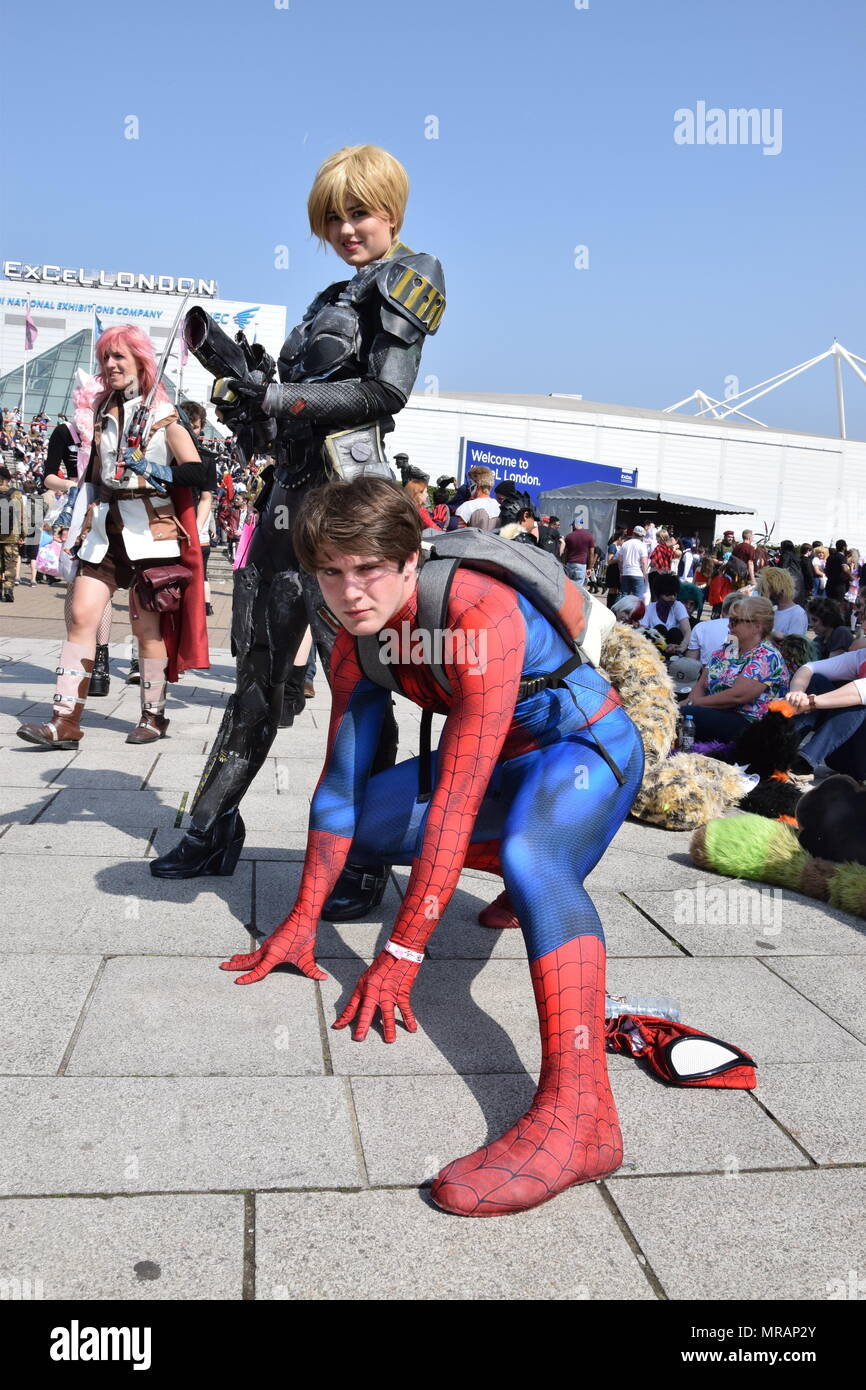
(756, 848)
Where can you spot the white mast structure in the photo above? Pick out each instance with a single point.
(733, 405)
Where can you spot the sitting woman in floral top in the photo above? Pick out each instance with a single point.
(737, 685)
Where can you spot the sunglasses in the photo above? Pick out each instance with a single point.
(738, 622)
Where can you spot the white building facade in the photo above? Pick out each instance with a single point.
(64, 301)
(807, 487)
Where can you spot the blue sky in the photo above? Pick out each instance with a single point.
(555, 130)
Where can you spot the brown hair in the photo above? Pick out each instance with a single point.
(193, 411)
(369, 516)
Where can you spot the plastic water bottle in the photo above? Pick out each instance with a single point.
(687, 738)
(657, 1007)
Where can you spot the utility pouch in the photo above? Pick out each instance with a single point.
(350, 453)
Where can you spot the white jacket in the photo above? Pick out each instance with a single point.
(137, 538)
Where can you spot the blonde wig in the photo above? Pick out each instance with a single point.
(362, 175)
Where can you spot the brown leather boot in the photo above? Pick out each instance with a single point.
(63, 730)
(149, 728)
(153, 723)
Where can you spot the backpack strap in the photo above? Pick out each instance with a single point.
(375, 669)
(434, 589)
(425, 758)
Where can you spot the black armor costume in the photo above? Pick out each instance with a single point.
(344, 371)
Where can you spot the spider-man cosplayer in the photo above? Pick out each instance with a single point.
(522, 787)
(344, 372)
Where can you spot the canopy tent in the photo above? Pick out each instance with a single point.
(603, 507)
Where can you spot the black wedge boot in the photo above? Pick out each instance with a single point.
(215, 851)
(357, 892)
(99, 680)
(293, 697)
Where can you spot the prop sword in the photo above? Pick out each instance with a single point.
(140, 422)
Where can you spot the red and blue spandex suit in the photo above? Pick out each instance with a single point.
(521, 790)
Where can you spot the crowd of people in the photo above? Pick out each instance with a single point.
(754, 622)
(786, 622)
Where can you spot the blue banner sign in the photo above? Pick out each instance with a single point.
(537, 473)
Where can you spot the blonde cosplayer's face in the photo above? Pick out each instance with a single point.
(360, 237)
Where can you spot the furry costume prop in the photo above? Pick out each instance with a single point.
(678, 792)
(833, 820)
(751, 847)
(768, 747)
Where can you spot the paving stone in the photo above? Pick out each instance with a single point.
(397, 1245)
(838, 986)
(121, 908)
(472, 1017)
(761, 1237)
(11, 718)
(158, 1017)
(297, 776)
(22, 805)
(163, 1004)
(77, 839)
(127, 1248)
(36, 767)
(480, 1016)
(634, 837)
(73, 1134)
(822, 1104)
(624, 872)
(727, 917)
(742, 1002)
(673, 1129)
(41, 997)
(90, 771)
(112, 808)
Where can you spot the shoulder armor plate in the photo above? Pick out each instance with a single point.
(414, 288)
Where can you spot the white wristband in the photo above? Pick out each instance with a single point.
(403, 952)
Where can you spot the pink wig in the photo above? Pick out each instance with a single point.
(127, 336)
(85, 392)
